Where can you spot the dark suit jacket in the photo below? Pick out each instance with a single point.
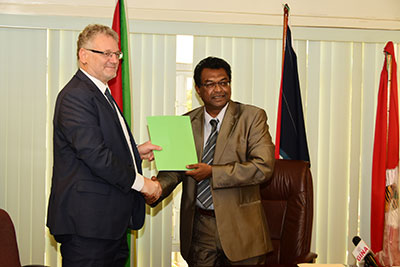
(243, 159)
(93, 170)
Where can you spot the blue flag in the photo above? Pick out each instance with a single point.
(291, 140)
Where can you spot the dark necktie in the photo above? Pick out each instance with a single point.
(110, 99)
(203, 187)
(118, 113)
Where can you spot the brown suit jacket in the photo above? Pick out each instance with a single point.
(244, 158)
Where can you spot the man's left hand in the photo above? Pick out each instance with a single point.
(201, 171)
(146, 150)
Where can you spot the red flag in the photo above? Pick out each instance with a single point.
(120, 85)
(386, 147)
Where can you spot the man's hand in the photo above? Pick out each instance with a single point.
(146, 150)
(201, 171)
(151, 190)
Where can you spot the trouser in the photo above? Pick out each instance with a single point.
(77, 251)
(206, 248)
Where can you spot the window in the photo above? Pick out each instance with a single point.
(184, 89)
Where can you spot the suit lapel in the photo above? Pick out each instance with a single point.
(96, 92)
(198, 132)
(102, 99)
(197, 120)
(228, 125)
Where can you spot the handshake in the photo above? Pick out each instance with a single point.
(151, 190)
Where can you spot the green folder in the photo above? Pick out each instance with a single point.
(174, 134)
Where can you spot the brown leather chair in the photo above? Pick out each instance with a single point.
(9, 255)
(288, 203)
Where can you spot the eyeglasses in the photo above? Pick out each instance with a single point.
(107, 53)
(212, 85)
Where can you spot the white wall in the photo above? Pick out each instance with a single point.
(383, 14)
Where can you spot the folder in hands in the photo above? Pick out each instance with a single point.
(174, 134)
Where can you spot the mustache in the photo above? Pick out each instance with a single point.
(218, 95)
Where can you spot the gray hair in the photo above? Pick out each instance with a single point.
(91, 31)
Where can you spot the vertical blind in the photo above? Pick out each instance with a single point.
(23, 136)
(339, 75)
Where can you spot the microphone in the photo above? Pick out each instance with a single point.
(362, 252)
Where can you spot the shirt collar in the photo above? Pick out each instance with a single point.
(100, 85)
(220, 116)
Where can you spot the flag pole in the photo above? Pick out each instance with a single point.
(278, 126)
(285, 24)
(389, 70)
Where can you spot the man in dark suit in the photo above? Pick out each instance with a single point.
(222, 218)
(97, 186)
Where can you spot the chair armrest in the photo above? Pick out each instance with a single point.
(307, 258)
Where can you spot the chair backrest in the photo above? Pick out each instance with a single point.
(9, 255)
(288, 203)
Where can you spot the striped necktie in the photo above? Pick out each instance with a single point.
(203, 187)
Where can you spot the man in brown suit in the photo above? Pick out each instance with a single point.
(227, 226)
